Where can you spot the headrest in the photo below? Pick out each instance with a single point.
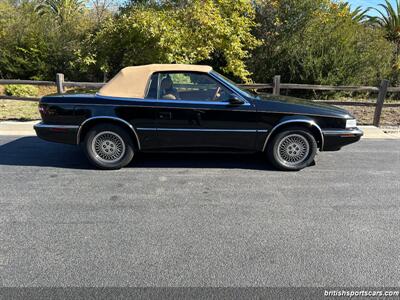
(166, 83)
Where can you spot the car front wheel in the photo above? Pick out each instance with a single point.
(108, 147)
(292, 149)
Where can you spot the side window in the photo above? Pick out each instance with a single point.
(191, 86)
(152, 87)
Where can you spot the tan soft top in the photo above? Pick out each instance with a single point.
(132, 82)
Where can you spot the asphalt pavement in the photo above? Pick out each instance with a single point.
(198, 220)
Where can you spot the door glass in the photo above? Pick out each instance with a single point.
(152, 87)
(191, 86)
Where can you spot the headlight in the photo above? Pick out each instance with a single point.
(351, 123)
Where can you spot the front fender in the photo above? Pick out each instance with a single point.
(300, 120)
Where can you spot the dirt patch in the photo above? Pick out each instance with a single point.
(47, 90)
(365, 115)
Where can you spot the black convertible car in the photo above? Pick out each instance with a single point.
(191, 108)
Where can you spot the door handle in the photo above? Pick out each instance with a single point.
(198, 117)
(165, 115)
(199, 113)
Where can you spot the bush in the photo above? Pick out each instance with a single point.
(189, 32)
(21, 90)
(318, 42)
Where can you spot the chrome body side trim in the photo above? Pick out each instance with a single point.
(308, 122)
(354, 131)
(201, 130)
(41, 125)
(106, 118)
(161, 101)
(224, 103)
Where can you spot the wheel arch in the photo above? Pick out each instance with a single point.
(306, 122)
(88, 123)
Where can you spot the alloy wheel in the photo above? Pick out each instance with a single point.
(108, 147)
(293, 150)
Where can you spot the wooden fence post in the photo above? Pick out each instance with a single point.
(379, 102)
(277, 85)
(60, 83)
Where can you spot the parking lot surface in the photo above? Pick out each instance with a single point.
(198, 220)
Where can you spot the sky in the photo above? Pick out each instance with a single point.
(367, 3)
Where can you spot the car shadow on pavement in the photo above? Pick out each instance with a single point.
(32, 151)
(202, 160)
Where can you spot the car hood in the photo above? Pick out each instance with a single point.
(273, 103)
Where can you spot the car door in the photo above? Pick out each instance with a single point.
(194, 113)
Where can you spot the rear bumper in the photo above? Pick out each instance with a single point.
(66, 134)
(334, 139)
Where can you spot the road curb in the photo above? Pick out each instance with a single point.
(18, 128)
(372, 132)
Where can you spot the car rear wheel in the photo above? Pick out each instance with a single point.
(108, 147)
(292, 149)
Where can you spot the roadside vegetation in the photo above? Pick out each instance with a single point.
(21, 90)
(305, 41)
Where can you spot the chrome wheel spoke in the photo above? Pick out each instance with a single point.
(108, 147)
(293, 149)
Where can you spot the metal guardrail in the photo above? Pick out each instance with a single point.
(276, 87)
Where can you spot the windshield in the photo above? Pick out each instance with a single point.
(246, 92)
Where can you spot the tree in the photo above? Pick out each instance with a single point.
(102, 9)
(37, 46)
(278, 21)
(62, 10)
(389, 20)
(22, 43)
(336, 49)
(312, 41)
(358, 14)
(179, 32)
(317, 41)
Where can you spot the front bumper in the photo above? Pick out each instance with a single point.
(334, 139)
(66, 134)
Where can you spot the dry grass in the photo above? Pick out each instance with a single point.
(22, 110)
(27, 110)
(19, 110)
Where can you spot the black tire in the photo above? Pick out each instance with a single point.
(120, 148)
(291, 143)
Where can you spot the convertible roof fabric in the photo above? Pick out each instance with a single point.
(131, 82)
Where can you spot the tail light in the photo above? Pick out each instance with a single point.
(44, 110)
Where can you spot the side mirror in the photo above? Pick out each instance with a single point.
(234, 100)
